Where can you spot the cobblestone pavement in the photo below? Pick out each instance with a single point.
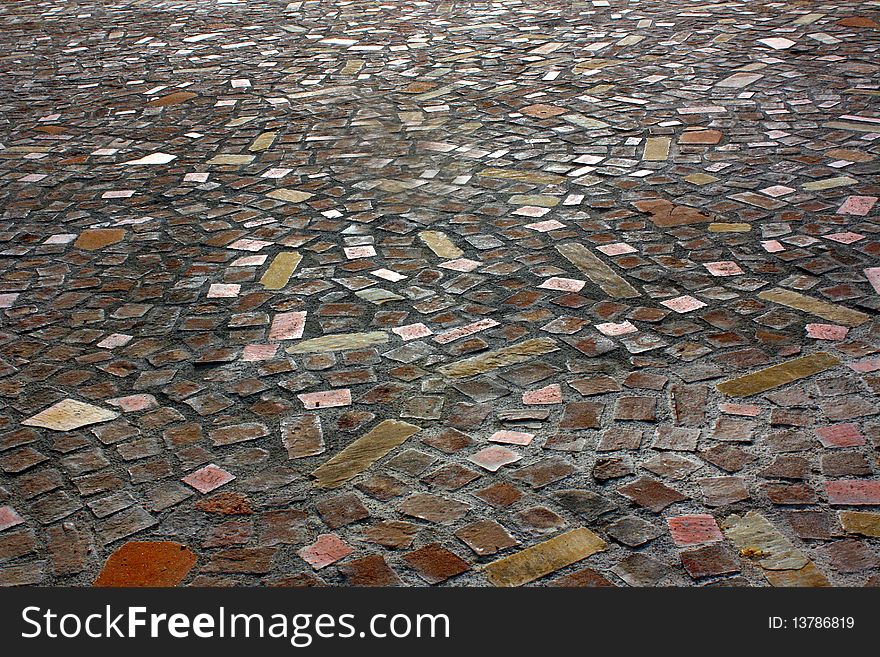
(453, 293)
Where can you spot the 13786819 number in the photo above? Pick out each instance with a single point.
(822, 622)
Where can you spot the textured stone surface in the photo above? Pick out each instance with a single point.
(141, 563)
(544, 558)
(363, 452)
(437, 282)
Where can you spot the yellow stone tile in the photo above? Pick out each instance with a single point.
(829, 183)
(279, 272)
(808, 576)
(541, 200)
(440, 244)
(263, 142)
(491, 360)
(597, 271)
(778, 375)
(829, 311)
(729, 228)
(656, 149)
(70, 414)
(231, 159)
(544, 558)
(701, 179)
(538, 177)
(338, 342)
(762, 543)
(363, 452)
(352, 66)
(289, 195)
(861, 522)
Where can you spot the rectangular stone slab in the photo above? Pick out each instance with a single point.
(778, 375)
(861, 522)
(537, 177)
(823, 309)
(363, 452)
(597, 271)
(279, 272)
(491, 360)
(338, 342)
(656, 149)
(440, 244)
(544, 558)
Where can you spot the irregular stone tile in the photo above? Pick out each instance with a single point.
(778, 375)
(544, 558)
(70, 414)
(155, 564)
(362, 453)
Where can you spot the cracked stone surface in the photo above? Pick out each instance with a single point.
(446, 293)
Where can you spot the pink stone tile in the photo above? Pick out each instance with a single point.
(777, 190)
(551, 394)
(857, 492)
(873, 276)
(826, 331)
(208, 478)
(618, 248)
(723, 268)
(461, 264)
(257, 352)
(463, 331)
(865, 366)
(115, 340)
(276, 173)
(492, 458)
(288, 326)
(611, 329)
(223, 290)
(694, 529)
(413, 331)
(9, 518)
(249, 261)
(844, 238)
(354, 252)
(134, 403)
(684, 304)
(844, 434)
(563, 284)
(772, 246)
(531, 211)
(740, 409)
(545, 226)
(327, 549)
(6, 300)
(857, 205)
(249, 245)
(326, 398)
(512, 437)
(63, 238)
(388, 275)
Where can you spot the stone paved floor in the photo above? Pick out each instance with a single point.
(457, 293)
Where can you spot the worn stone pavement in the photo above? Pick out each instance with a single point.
(454, 293)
